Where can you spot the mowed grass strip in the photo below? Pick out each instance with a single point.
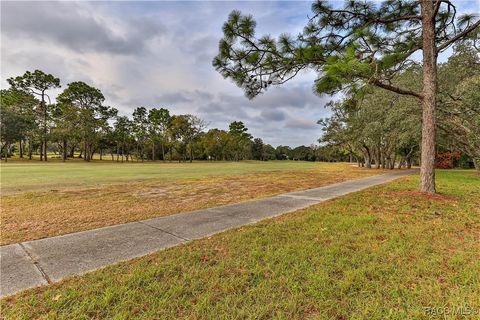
(34, 215)
(384, 253)
(20, 176)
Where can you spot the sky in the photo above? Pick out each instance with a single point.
(158, 54)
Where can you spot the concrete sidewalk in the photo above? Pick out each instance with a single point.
(39, 262)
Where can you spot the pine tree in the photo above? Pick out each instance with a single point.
(359, 45)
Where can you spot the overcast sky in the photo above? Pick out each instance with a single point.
(158, 54)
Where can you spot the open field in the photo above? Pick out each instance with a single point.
(42, 200)
(22, 176)
(384, 253)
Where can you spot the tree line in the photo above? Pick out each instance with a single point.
(80, 125)
(380, 128)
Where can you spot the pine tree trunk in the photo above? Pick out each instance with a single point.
(21, 148)
(30, 151)
(45, 150)
(44, 109)
(191, 152)
(427, 169)
(64, 151)
(85, 152)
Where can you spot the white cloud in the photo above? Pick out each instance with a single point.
(159, 54)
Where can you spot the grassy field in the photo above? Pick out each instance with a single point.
(387, 252)
(41, 200)
(22, 176)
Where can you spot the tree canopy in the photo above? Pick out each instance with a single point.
(361, 43)
(353, 47)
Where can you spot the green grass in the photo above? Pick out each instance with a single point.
(384, 253)
(29, 176)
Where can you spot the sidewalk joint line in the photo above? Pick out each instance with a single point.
(165, 231)
(302, 197)
(36, 264)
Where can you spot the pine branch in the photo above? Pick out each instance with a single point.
(398, 90)
(458, 36)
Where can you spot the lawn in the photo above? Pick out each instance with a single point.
(388, 252)
(22, 176)
(41, 200)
